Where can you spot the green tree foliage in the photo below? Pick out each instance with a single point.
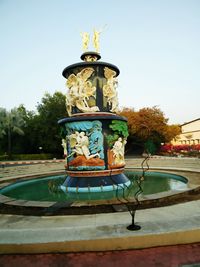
(27, 143)
(147, 128)
(11, 123)
(40, 128)
(50, 110)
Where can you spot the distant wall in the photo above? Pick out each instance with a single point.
(190, 134)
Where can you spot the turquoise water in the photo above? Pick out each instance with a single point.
(48, 188)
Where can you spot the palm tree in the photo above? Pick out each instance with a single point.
(11, 122)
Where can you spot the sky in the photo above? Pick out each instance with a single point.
(154, 43)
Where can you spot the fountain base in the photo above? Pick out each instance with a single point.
(98, 181)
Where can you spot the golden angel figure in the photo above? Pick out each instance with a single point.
(85, 40)
(96, 40)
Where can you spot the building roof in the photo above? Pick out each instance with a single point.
(190, 122)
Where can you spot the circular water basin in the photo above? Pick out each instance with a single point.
(50, 188)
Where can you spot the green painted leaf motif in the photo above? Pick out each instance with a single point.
(120, 127)
(111, 139)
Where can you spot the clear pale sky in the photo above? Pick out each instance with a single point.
(155, 44)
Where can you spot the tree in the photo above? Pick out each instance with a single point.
(40, 128)
(148, 128)
(27, 143)
(50, 110)
(172, 132)
(11, 122)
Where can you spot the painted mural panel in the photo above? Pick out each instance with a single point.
(85, 145)
(116, 141)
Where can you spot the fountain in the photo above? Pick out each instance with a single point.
(94, 139)
(96, 183)
(95, 136)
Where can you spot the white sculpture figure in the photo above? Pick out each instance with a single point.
(109, 89)
(85, 40)
(80, 90)
(118, 151)
(79, 143)
(64, 145)
(72, 94)
(75, 143)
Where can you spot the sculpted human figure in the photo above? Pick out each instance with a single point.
(80, 90)
(96, 139)
(85, 40)
(75, 143)
(64, 145)
(96, 40)
(118, 150)
(81, 147)
(109, 89)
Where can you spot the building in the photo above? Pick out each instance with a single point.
(190, 133)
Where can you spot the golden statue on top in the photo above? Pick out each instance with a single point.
(96, 40)
(86, 38)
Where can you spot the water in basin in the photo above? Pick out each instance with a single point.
(48, 188)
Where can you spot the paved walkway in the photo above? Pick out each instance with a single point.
(22, 168)
(173, 256)
(176, 224)
(33, 167)
(173, 225)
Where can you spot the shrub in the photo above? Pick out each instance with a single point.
(166, 148)
(187, 150)
(42, 156)
(3, 157)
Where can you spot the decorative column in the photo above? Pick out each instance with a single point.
(95, 134)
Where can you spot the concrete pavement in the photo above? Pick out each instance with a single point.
(177, 224)
(34, 167)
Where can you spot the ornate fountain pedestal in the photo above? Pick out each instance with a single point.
(95, 136)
